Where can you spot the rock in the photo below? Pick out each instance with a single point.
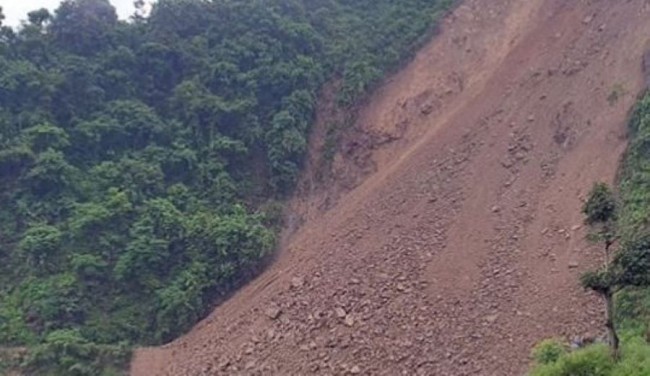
(495, 209)
(587, 20)
(355, 370)
(531, 118)
(426, 109)
(340, 312)
(576, 227)
(573, 265)
(354, 281)
(491, 319)
(273, 312)
(349, 320)
(297, 282)
(224, 365)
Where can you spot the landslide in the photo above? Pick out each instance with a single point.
(449, 240)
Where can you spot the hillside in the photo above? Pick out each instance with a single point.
(143, 163)
(449, 241)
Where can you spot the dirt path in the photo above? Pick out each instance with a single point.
(464, 247)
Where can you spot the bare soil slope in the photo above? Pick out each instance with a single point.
(461, 245)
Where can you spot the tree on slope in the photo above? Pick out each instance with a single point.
(600, 210)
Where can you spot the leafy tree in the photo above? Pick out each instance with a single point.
(40, 244)
(628, 268)
(600, 210)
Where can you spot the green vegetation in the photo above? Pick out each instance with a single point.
(625, 281)
(141, 162)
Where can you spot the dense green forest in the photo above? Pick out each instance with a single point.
(141, 162)
(628, 273)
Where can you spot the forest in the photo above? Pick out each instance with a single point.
(143, 162)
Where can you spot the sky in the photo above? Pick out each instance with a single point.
(16, 10)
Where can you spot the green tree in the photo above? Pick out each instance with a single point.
(600, 210)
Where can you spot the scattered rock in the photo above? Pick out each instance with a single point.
(297, 282)
(491, 319)
(224, 365)
(273, 312)
(340, 312)
(426, 109)
(349, 320)
(355, 370)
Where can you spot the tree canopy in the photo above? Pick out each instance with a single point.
(135, 156)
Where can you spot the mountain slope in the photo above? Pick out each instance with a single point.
(463, 247)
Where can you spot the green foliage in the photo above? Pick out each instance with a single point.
(635, 209)
(134, 156)
(600, 206)
(636, 361)
(548, 351)
(600, 281)
(591, 361)
(67, 353)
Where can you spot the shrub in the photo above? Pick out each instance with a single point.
(548, 351)
(590, 361)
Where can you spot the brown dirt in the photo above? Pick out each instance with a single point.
(461, 245)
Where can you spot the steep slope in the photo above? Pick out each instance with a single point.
(464, 246)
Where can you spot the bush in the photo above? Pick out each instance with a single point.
(67, 353)
(552, 359)
(636, 359)
(591, 361)
(548, 351)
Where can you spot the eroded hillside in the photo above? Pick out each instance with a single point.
(460, 244)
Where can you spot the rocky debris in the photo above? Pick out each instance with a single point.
(412, 274)
(273, 312)
(297, 282)
(491, 319)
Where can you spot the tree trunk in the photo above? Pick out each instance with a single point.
(612, 336)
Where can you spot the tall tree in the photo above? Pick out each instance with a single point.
(600, 210)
